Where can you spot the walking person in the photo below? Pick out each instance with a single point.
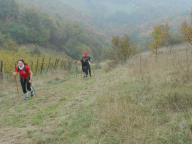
(26, 76)
(85, 62)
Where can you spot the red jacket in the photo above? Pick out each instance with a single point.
(25, 73)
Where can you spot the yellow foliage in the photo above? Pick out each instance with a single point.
(160, 37)
(10, 59)
(187, 32)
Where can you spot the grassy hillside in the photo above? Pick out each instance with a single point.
(24, 25)
(148, 101)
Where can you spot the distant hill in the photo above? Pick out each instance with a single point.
(24, 23)
(112, 14)
(114, 17)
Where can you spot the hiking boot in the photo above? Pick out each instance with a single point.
(85, 76)
(26, 96)
(32, 93)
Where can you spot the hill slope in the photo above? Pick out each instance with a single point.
(107, 18)
(123, 15)
(23, 25)
(146, 101)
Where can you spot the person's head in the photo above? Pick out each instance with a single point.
(21, 62)
(85, 54)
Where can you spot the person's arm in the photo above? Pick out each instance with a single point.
(31, 76)
(15, 72)
(28, 69)
(90, 60)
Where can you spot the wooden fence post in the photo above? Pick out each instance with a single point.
(49, 63)
(31, 66)
(42, 64)
(37, 65)
(1, 70)
(63, 64)
(55, 66)
(58, 63)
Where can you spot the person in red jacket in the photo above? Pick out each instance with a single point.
(85, 62)
(26, 77)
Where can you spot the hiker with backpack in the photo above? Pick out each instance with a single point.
(85, 62)
(26, 77)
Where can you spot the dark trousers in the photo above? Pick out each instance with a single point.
(87, 70)
(26, 86)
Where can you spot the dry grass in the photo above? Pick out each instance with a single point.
(146, 101)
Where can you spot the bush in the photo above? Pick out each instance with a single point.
(109, 65)
(122, 49)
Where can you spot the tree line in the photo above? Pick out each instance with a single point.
(20, 25)
(161, 36)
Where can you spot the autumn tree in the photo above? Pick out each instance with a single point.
(122, 48)
(187, 32)
(160, 37)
